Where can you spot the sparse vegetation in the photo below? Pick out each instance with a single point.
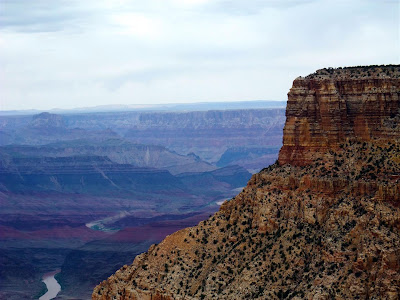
(301, 231)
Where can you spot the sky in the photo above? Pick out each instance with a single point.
(68, 53)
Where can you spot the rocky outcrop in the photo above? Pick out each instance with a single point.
(331, 106)
(322, 224)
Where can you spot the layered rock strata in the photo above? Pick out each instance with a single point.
(332, 106)
(323, 223)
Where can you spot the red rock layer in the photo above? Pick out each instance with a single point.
(328, 108)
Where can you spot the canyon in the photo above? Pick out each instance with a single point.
(322, 222)
(198, 135)
(80, 193)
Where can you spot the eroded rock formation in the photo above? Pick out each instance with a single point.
(332, 106)
(323, 223)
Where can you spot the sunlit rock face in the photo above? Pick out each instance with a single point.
(331, 106)
(322, 223)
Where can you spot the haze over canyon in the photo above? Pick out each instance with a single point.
(86, 192)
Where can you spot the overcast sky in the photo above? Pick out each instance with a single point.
(66, 53)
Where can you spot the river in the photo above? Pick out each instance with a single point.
(53, 288)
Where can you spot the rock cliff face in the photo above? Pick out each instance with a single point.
(323, 223)
(332, 106)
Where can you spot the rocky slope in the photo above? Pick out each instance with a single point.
(51, 206)
(322, 223)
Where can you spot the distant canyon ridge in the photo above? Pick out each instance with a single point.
(247, 137)
(86, 192)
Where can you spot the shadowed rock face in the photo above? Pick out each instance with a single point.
(331, 106)
(322, 224)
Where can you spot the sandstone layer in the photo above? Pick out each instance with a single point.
(322, 223)
(332, 106)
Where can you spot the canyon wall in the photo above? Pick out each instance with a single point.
(322, 223)
(257, 134)
(331, 106)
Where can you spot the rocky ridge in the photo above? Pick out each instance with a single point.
(117, 150)
(207, 134)
(322, 223)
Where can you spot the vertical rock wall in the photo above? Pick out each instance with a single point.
(325, 110)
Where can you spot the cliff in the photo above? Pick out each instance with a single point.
(331, 106)
(323, 223)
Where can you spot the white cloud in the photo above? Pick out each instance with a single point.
(190, 3)
(137, 25)
(85, 53)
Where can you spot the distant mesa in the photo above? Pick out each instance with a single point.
(47, 120)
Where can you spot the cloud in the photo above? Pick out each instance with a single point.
(137, 25)
(39, 15)
(82, 53)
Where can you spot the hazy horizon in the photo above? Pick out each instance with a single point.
(68, 54)
(189, 106)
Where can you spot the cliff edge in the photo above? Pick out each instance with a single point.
(331, 106)
(322, 223)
